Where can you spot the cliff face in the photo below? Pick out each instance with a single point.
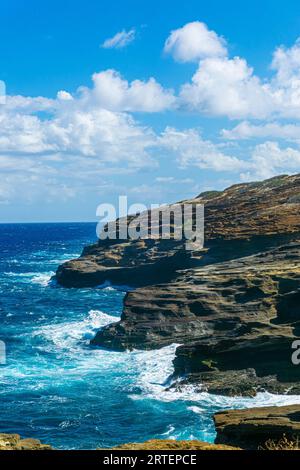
(233, 306)
(255, 427)
(239, 213)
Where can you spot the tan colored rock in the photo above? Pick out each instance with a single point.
(252, 428)
(14, 442)
(169, 444)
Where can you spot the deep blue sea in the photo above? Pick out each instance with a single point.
(57, 388)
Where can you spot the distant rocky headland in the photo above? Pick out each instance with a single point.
(233, 306)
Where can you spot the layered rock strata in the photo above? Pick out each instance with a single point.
(233, 306)
(264, 428)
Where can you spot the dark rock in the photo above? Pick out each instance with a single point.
(253, 427)
(233, 306)
(262, 211)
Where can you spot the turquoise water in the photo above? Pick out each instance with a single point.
(59, 389)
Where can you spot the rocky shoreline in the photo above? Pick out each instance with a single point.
(233, 306)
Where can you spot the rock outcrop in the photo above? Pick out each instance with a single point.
(254, 427)
(170, 444)
(14, 442)
(232, 306)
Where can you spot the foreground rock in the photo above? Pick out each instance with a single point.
(233, 306)
(254, 427)
(14, 442)
(168, 444)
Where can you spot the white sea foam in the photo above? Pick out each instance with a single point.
(35, 277)
(170, 430)
(150, 371)
(69, 335)
(155, 369)
(43, 278)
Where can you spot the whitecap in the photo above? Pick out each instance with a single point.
(169, 431)
(69, 335)
(196, 409)
(43, 278)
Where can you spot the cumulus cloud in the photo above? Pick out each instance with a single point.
(227, 87)
(112, 92)
(286, 63)
(194, 41)
(246, 130)
(68, 141)
(64, 95)
(269, 159)
(263, 161)
(28, 104)
(191, 150)
(120, 40)
(224, 86)
(93, 122)
(100, 133)
(76, 142)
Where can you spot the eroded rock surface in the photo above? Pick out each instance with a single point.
(14, 442)
(170, 444)
(233, 306)
(252, 428)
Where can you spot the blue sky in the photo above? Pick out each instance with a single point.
(158, 100)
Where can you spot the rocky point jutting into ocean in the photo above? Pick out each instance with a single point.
(233, 306)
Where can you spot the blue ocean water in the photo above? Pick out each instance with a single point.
(59, 389)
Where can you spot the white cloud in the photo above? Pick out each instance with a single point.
(108, 136)
(264, 161)
(245, 130)
(64, 95)
(194, 41)
(190, 149)
(171, 179)
(286, 63)
(224, 86)
(72, 144)
(76, 142)
(268, 160)
(28, 104)
(120, 40)
(91, 123)
(112, 92)
(227, 87)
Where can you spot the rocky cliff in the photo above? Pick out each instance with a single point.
(233, 306)
(260, 427)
